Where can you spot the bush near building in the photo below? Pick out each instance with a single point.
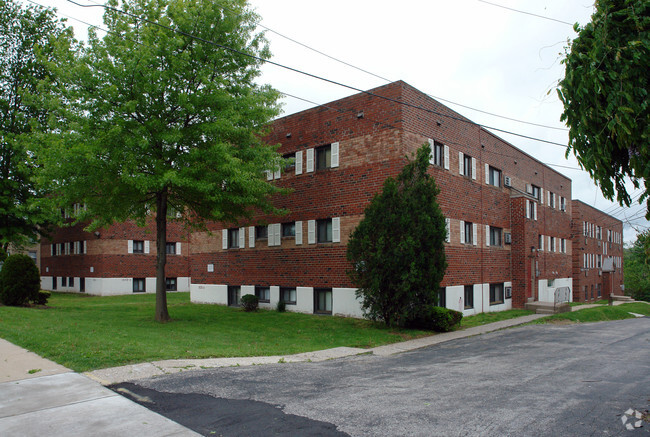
(20, 281)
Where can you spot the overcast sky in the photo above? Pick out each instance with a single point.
(479, 54)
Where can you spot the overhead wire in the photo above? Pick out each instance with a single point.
(315, 76)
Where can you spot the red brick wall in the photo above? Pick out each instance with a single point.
(582, 244)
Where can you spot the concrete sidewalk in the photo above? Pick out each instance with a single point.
(53, 400)
(157, 368)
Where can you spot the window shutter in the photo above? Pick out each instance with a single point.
(487, 174)
(251, 236)
(541, 195)
(462, 232)
(84, 243)
(298, 232)
(242, 238)
(548, 195)
(487, 234)
(474, 234)
(554, 201)
(311, 231)
(277, 173)
(534, 210)
(448, 227)
(334, 161)
(298, 166)
(527, 208)
(224, 239)
(336, 230)
(269, 175)
(310, 160)
(541, 244)
(130, 246)
(432, 159)
(460, 164)
(276, 235)
(446, 148)
(146, 246)
(474, 168)
(178, 248)
(269, 235)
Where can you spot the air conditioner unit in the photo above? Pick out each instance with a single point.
(507, 237)
(507, 182)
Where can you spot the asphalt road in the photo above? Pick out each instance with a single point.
(542, 380)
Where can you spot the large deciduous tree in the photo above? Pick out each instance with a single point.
(163, 114)
(605, 97)
(397, 252)
(29, 36)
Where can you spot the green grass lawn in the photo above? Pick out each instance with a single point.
(84, 332)
(485, 318)
(599, 314)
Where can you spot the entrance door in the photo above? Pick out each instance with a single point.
(234, 295)
(82, 285)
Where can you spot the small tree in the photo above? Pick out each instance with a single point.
(19, 280)
(397, 251)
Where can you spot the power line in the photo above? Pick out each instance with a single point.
(526, 13)
(314, 76)
(389, 81)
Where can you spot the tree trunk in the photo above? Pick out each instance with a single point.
(162, 315)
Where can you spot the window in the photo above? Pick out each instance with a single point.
(233, 238)
(70, 281)
(551, 244)
(64, 281)
(467, 166)
(324, 230)
(531, 209)
(469, 232)
(288, 295)
(263, 294)
(438, 154)
(323, 300)
(469, 296)
(138, 246)
(171, 284)
(289, 161)
(442, 297)
(540, 242)
(562, 204)
(82, 285)
(261, 232)
(551, 199)
(323, 157)
(289, 229)
(563, 245)
(234, 295)
(495, 236)
(138, 285)
(496, 294)
(494, 175)
(599, 232)
(170, 248)
(54, 283)
(33, 255)
(536, 192)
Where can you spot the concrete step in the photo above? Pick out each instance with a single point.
(622, 298)
(548, 307)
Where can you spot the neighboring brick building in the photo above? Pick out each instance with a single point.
(597, 237)
(118, 260)
(508, 216)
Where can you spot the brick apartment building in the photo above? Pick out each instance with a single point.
(598, 237)
(118, 260)
(508, 216)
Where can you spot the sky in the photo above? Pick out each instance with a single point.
(498, 56)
